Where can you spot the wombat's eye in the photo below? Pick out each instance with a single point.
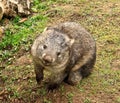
(58, 54)
(44, 46)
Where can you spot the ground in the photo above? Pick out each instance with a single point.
(17, 78)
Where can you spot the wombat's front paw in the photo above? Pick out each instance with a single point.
(39, 80)
(51, 87)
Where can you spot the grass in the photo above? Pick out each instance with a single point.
(17, 77)
(13, 39)
(69, 97)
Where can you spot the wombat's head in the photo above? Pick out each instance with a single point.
(53, 48)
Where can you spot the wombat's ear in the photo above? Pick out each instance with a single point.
(70, 42)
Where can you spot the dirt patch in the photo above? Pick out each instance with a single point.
(61, 13)
(115, 65)
(23, 60)
(1, 82)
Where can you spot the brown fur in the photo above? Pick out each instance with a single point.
(69, 50)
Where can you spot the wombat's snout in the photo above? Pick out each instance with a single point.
(47, 59)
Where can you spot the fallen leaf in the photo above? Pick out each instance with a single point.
(23, 20)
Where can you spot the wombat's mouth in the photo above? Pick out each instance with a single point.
(47, 59)
(46, 63)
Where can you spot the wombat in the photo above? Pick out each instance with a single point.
(67, 50)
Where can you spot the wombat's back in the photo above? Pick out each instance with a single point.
(78, 33)
(84, 47)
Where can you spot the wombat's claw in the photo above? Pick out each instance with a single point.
(51, 90)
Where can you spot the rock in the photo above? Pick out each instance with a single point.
(11, 8)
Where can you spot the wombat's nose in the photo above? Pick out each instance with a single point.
(47, 59)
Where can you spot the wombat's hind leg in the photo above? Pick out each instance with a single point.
(74, 77)
(87, 68)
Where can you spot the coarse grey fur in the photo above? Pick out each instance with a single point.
(67, 50)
